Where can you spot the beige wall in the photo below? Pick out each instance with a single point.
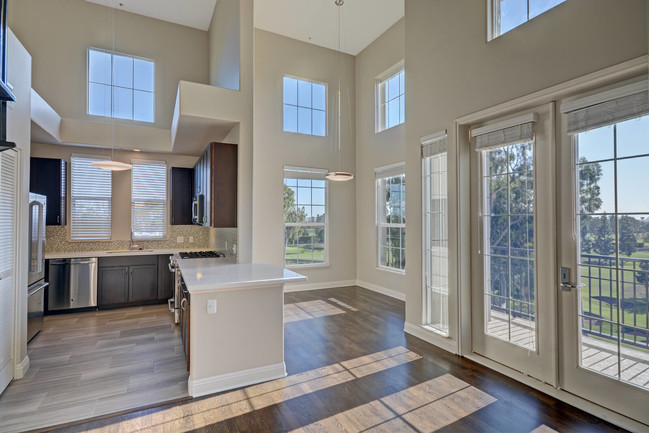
(452, 71)
(57, 33)
(374, 150)
(276, 56)
(224, 45)
(121, 202)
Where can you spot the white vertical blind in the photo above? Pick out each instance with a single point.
(149, 199)
(8, 175)
(91, 192)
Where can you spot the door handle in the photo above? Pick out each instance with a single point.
(565, 283)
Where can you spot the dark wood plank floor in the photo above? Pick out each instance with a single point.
(352, 368)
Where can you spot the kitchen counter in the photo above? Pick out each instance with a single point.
(118, 253)
(210, 275)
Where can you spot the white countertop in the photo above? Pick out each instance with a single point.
(117, 253)
(204, 275)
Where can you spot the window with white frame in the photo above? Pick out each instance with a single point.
(509, 14)
(120, 86)
(435, 207)
(305, 107)
(149, 199)
(305, 216)
(391, 216)
(90, 196)
(390, 98)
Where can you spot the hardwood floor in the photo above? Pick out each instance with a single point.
(351, 368)
(85, 365)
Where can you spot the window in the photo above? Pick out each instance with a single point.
(506, 152)
(305, 107)
(390, 99)
(435, 206)
(120, 86)
(509, 14)
(391, 216)
(91, 192)
(149, 199)
(305, 216)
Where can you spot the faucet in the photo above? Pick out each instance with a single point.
(133, 246)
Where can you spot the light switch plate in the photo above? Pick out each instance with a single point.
(191, 239)
(211, 306)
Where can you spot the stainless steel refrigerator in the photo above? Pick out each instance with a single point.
(36, 278)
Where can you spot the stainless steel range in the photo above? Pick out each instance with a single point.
(174, 303)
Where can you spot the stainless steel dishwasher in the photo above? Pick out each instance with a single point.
(73, 284)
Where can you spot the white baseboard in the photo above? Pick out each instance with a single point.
(431, 337)
(382, 290)
(21, 368)
(318, 286)
(225, 382)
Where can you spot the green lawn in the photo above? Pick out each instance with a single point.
(305, 254)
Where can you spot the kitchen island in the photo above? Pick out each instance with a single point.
(235, 323)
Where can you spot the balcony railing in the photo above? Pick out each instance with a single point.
(602, 279)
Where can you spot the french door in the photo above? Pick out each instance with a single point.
(604, 244)
(513, 266)
(8, 176)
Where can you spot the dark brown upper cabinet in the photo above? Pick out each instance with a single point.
(182, 192)
(215, 179)
(48, 177)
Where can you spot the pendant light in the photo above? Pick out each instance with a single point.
(111, 164)
(339, 176)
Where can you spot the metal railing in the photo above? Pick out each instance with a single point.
(603, 277)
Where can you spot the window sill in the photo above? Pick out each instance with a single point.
(391, 270)
(378, 131)
(309, 266)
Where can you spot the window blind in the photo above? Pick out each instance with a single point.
(149, 199)
(390, 170)
(607, 108)
(433, 144)
(304, 173)
(505, 133)
(91, 193)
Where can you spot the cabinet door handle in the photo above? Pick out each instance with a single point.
(58, 219)
(183, 303)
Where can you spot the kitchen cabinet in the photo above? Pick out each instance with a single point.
(165, 280)
(182, 191)
(128, 281)
(215, 177)
(48, 177)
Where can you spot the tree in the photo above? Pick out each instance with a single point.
(603, 243)
(292, 214)
(589, 200)
(626, 235)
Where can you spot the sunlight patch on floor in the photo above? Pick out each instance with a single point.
(309, 310)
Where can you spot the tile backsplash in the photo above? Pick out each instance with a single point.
(57, 240)
(224, 240)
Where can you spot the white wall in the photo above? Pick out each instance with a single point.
(374, 150)
(276, 56)
(452, 71)
(224, 45)
(19, 73)
(57, 33)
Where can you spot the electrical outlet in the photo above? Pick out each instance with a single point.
(180, 239)
(211, 306)
(191, 239)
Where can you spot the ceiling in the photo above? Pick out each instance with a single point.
(191, 13)
(316, 21)
(312, 21)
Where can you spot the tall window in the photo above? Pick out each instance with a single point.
(509, 14)
(120, 86)
(391, 216)
(435, 206)
(149, 199)
(390, 98)
(305, 107)
(305, 216)
(91, 193)
(508, 213)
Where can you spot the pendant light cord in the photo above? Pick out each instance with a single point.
(339, 3)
